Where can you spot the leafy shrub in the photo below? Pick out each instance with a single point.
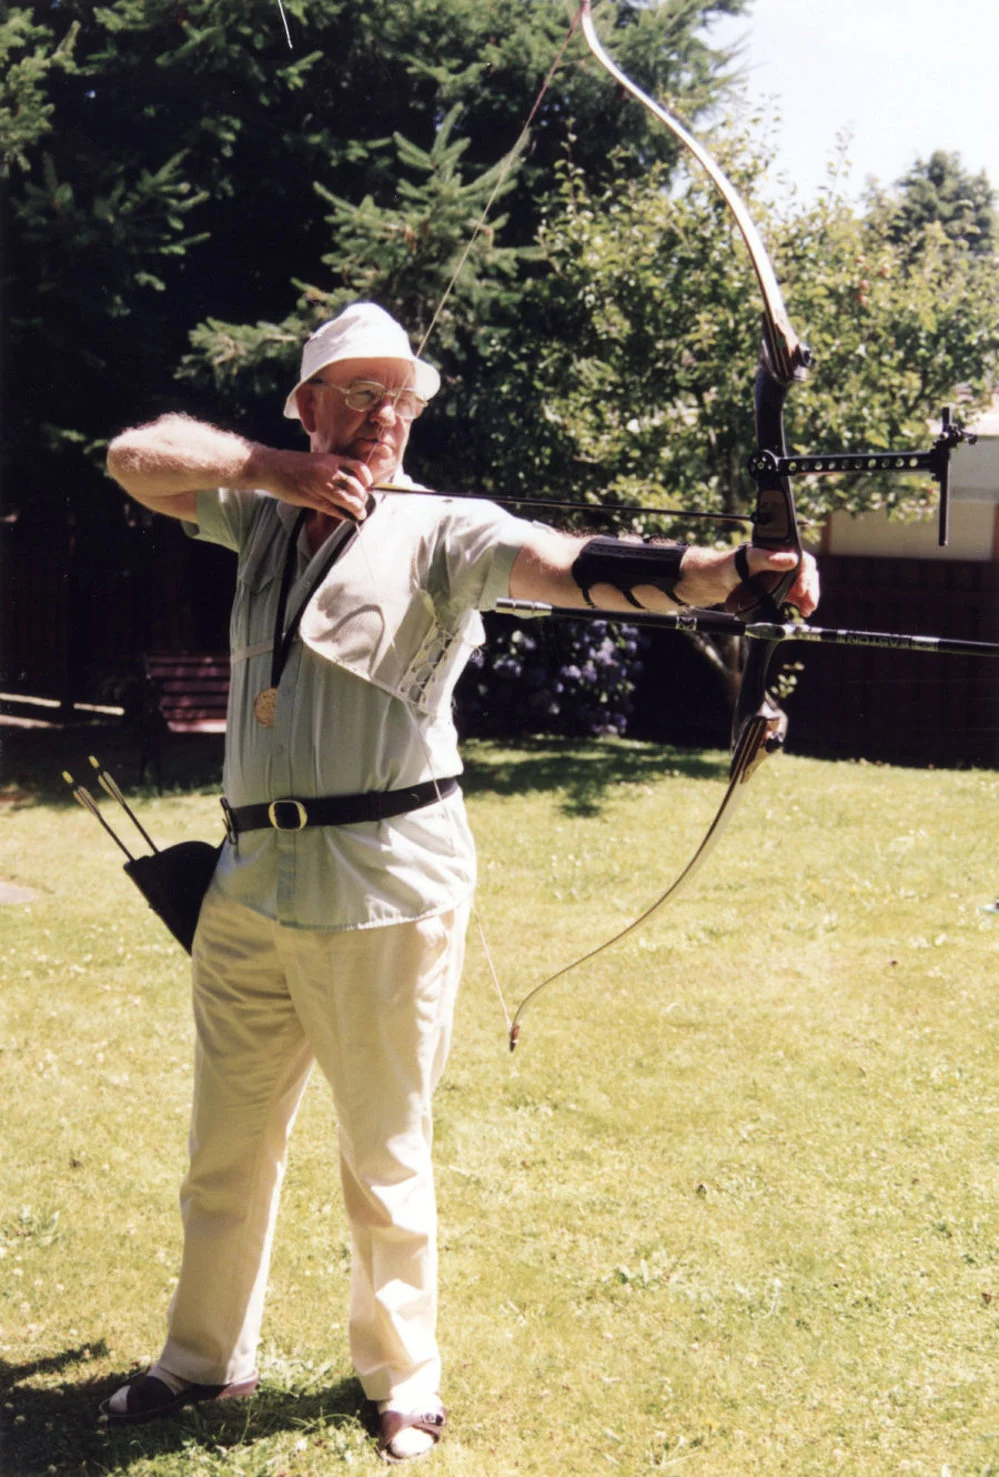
(572, 678)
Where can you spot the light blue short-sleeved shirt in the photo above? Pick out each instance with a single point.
(338, 733)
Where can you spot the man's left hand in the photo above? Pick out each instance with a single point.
(710, 576)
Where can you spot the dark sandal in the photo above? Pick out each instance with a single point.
(149, 1398)
(391, 1422)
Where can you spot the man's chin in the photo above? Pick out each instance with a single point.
(379, 458)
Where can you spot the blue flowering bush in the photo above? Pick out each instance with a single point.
(573, 678)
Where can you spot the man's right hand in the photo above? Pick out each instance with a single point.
(330, 484)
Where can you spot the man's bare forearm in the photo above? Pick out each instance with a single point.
(176, 456)
(543, 570)
(165, 464)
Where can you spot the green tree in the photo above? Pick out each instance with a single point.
(29, 53)
(940, 189)
(629, 374)
(899, 327)
(633, 359)
(165, 163)
(429, 259)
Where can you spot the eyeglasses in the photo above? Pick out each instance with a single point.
(366, 395)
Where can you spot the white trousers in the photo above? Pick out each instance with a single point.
(375, 1008)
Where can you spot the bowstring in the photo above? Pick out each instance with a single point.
(505, 168)
(456, 855)
(477, 230)
(284, 22)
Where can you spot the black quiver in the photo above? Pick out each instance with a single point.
(174, 882)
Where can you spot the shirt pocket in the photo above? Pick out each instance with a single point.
(257, 585)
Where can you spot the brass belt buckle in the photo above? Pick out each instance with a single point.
(301, 815)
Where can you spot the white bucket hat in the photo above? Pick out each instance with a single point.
(362, 331)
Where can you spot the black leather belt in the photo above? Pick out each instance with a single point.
(289, 814)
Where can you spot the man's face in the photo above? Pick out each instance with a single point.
(377, 436)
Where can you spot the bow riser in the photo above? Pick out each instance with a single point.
(775, 521)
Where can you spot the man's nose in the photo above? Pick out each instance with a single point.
(385, 412)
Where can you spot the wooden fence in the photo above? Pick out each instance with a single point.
(75, 629)
(898, 706)
(76, 620)
(860, 702)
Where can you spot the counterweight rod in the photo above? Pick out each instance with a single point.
(720, 623)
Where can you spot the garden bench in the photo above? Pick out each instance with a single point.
(183, 692)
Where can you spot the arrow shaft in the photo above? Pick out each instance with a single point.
(83, 797)
(110, 786)
(595, 510)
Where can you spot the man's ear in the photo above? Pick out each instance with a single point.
(305, 399)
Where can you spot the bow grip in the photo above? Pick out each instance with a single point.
(762, 595)
(775, 525)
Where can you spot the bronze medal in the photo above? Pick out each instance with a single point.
(265, 707)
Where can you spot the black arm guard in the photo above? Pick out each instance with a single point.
(612, 561)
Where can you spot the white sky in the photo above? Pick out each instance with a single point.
(904, 76)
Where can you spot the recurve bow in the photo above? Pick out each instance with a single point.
(759, 724)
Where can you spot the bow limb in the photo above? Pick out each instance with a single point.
(786, 350)
(783, 357)
(750, 750)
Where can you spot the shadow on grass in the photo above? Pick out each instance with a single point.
(587, 771)
(54, 1428)
(32, 761)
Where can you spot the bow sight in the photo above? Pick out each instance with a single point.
(936, 461)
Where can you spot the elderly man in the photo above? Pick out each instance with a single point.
(334, 927)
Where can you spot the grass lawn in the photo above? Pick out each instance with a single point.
(731, 1207)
